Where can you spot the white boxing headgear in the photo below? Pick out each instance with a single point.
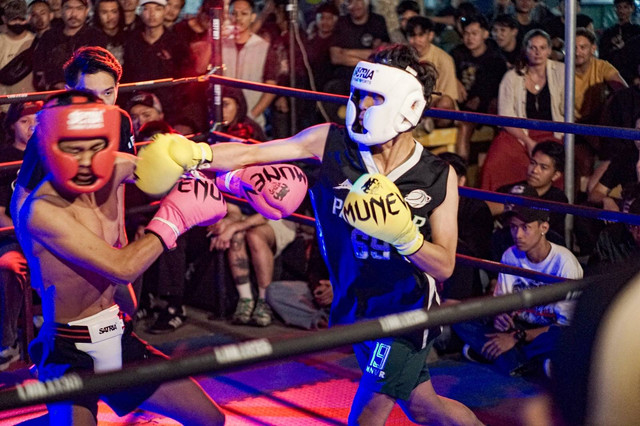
(401, 110)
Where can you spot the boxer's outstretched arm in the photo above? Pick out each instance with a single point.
(309, 143)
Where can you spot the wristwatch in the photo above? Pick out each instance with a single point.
(520, 335)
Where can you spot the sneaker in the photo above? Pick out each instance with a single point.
(242, 315)
(9, 355)
(262, 316)
(169, 320)
(472, 355)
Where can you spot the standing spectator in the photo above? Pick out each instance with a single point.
(19, 125)
(108, 17)
(505, 33)
(156, 53)
(58, 44)
(534, 89)
(40, 16)
(357, 35)
(405, 10)
(132, 21)
(614, 39)
(246, 56)
(56, 9)
(319, 42)
(420, 31)
(15, 51)
(479, 69)
(554, 26)
(172, 13)
(520, 342)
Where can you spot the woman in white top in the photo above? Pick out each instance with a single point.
(533, 89)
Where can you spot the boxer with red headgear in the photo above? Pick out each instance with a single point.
(69, 228)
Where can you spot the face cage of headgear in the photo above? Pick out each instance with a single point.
(80, 119)
(400, 111)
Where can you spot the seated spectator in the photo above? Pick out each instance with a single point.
(524, 13)
(479, 69)
(554, 26)
(595, 79)
(40, 17)
(534, 89)
(522, 342)
(622, 109)
(619, 241)
(623, 170)
(265, 239)
(420, 32)
(405, 10)
(58, 44)
(234, 116)
(108, 17)
(305, 302)
(504, 31)
(544, 175)
(143, 108)
(19, 125)
(614, 39)
(16, 54)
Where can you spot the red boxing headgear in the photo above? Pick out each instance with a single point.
(77, 116)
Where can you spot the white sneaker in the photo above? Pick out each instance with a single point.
(9, 355)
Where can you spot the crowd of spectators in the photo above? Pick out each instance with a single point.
(506, 60)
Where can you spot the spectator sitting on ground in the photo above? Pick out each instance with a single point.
(14, 281)
(144, 107)
(619, 241)
(544, 174)
(420, 32)
(522, 342)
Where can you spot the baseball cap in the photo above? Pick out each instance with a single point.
(526, 214)
(146, 99)
(160, 2)
(15, 9)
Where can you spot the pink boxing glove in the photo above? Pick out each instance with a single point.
(191, 202)
(275, 191)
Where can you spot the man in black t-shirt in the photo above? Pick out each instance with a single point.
(355, 37)
(504, 31)
(479, 69)
(58, 44)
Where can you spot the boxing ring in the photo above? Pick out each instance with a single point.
(231, 357)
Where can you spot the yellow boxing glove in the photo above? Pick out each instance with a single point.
(162, 162)
(376, 207)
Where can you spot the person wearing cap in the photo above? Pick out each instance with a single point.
(58, 44)
(15, 41)
(521, 342)
(19, 125)
(156, 53)
(143, 108)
